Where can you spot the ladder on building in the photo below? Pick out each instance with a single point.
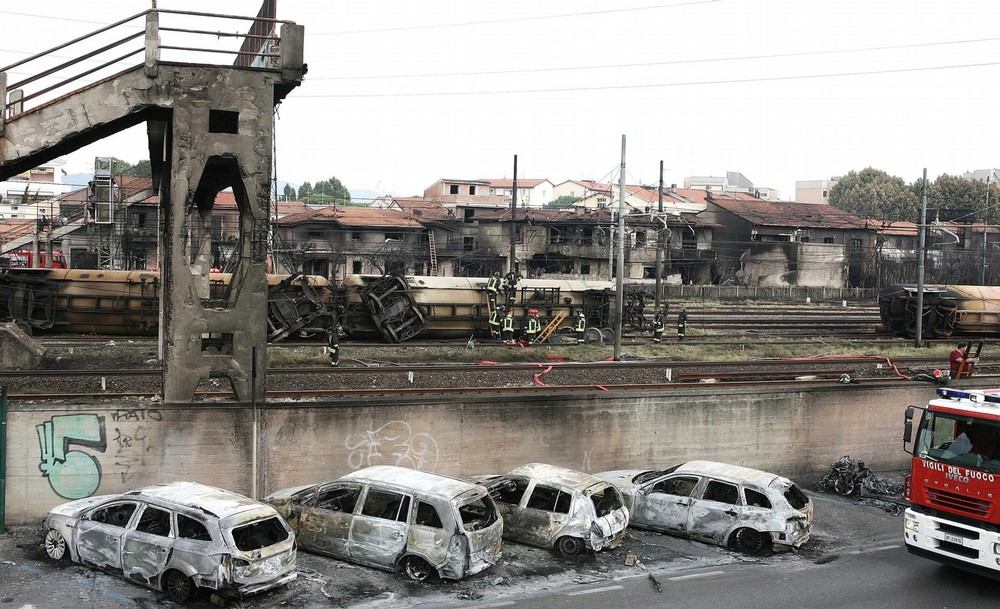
(433, 252)
(550, 329)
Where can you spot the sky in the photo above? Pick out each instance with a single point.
(400, 93)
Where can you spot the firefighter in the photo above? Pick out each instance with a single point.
(658, 325)
(508, 327)
(510, 286)
(333, 345)
(496, 315)
(493, 288)
(533, 326)
(581, 326)
(682, 320)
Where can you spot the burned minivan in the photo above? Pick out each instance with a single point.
(177, 537)
(397, 519)
(554, 507)
(737, 507)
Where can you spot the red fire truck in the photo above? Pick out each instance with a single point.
(954, 481)
(24, 259)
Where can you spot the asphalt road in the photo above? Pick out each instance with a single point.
(854, 559)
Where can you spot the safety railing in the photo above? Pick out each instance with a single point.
(166, 36)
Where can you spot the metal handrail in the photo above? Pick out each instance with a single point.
(9, 105)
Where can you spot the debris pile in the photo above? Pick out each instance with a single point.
(852, 478)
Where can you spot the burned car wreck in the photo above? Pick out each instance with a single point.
(555, 507)
(737, 507)
(397, 519)
(177, 537)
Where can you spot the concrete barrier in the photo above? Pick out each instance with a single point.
(61, 452)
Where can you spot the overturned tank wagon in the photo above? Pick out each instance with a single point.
(127, 303)
(947, 310)
(397, 308)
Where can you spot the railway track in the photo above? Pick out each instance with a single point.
(403, 379)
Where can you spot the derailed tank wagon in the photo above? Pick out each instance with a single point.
(397, 308)
(947, 310)
(127, 303)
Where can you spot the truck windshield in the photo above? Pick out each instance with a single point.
(959, 440)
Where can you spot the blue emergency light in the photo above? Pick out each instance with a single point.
(977, 396)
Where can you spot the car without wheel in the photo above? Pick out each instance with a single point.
(554, 507)
(737, 507)
(177, 537)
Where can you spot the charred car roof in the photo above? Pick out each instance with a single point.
(428, 483)
(554, 474)
(727, 471)
(215, 501)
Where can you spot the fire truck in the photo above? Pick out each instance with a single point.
(954, 481)
(24, 259)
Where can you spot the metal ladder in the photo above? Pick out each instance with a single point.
(433, 251)
(551, 328)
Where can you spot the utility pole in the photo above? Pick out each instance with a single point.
(512, 258)
(919, 339)
(620, 267)
(659, 242)
(986, 213)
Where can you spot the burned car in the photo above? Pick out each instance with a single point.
(397, 519)
(177, 537)
(554, 507)
(737, 507)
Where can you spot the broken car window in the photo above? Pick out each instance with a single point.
(427, 516)
(189, 528)
(118, 514)
(511, 492)
(680, 486)
(549, 499)
(757, 499)
(154, 521)
(796, 498)
(477, 514)
(260, 534)
(722, 492)
(606, 501)
(339, 498)
(386, 504)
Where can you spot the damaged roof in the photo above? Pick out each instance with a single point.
(417, 480)
(425, 209)
(353, 216)
(773, 213)
(554, 474)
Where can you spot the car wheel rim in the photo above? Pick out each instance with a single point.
(178, 587)
(750, 541)
(570, 546)
(55, 545)
(417, 569)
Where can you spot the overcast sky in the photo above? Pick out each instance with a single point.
(401, 93)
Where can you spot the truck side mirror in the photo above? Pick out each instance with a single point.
(908, 426)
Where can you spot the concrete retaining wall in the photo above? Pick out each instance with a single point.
(56, 453)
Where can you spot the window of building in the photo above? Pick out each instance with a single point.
(140, 219)
(584, 269)
(804, 238)
(556, 235)
(828, 240)
(472, 190)
(587, 236)
(855, 246)
(356, 236)
(453, 189)
(602, 202)
(640, 238)
(315, 233)
(468, 244)
(394, 236)
(356, 267)
(469, 214)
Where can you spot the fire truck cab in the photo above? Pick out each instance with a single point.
(954, 481)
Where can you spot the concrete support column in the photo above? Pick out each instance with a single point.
(152, 60)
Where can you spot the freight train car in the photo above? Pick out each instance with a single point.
(947, 310)
(127, 303)
(397, 308)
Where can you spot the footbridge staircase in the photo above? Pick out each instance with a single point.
(209, 127)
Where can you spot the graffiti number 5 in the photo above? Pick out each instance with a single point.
(72, 474)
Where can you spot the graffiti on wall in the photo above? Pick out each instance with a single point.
(74, 473)
(392, 444)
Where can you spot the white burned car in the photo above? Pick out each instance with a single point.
(176, 537)
(554, 507)
(396, 518)
(746, 509)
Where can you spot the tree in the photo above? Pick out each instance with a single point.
(952, 198)
(330, 191)
(305, 191)
(564, 201)
(875, 195)
(142, 169)
(289, 193)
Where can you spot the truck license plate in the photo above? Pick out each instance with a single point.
(953, 539)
